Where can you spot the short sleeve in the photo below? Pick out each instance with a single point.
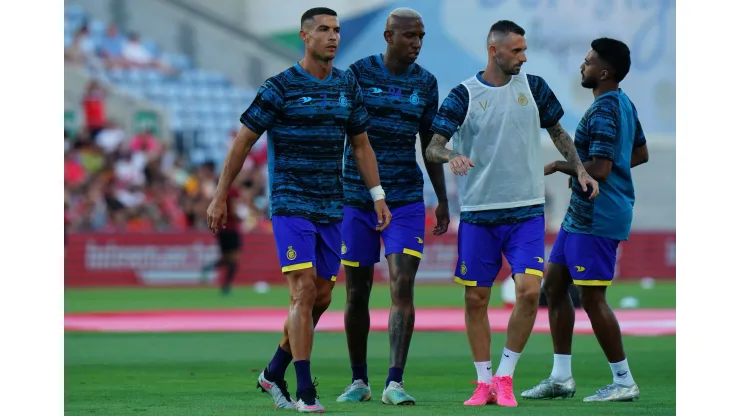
(359, 119)
(452, 113)
(603, 128)
(264, 110)
(547, 103)
(430, 111)
(640, 139)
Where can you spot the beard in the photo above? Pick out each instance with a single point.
(589, 83)
(507, 68)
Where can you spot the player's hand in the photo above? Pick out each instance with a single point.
(585, 180)
(460, 165)
(443, 218)
(384, 215)
(550, 168)
(216, 215)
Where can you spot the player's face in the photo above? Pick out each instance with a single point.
(322, 37)
(406, 40)
(591, 70)
(509, 53)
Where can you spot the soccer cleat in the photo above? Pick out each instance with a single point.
(308, 402)
(278, 390)
(482, 395)
(358, 391)
(395, 394)
(615, 393)
(551, 389)
(503, 389)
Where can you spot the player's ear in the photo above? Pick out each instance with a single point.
(388, 35)
(604, 75)
(492, 49)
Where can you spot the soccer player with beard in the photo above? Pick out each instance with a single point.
(495, 118)
(610, 142)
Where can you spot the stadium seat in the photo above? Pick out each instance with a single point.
(199, 98)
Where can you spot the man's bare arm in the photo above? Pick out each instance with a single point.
(436, 151)
(434, 169)
(599, 168)
(640, 155)
(565, 145)
(364, 156)
(234, 161)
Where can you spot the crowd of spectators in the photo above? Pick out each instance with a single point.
(121, 181)
(112, 50)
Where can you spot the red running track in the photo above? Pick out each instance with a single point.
(652, 322)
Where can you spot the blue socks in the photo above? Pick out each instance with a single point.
(394, 374)
(280, 362)
(303, 375)
(359, 372)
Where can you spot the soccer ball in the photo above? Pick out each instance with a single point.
(508, 292)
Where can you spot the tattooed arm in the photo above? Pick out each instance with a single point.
(436, 152)
(573, 165)
(566, 147)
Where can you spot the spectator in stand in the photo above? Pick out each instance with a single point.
(93, 105)
(146, 142)
(110, 47)
(82, 48)
(135, 55)
(82, 53)
(111, 138)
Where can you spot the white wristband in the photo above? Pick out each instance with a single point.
(377, 193)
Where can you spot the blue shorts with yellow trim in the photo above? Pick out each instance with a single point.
(479, 249)
(361, 243)
(302, 244)
(591, 260)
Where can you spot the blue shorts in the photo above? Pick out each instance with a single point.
(479, 249)
(591, 260)
(361, 243)
(302, 244)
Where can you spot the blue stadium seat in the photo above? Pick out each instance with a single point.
(96, 28)
(117, 75)
(150, 45)
(73, 11)
(135, 75)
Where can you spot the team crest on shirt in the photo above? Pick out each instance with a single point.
(342, 100)
(463, 269)
(344, 248)
(522, 100)
(291, 254)
(414, 98)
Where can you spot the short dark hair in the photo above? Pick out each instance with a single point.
(316, 11)
(614, 53)
(505, 27)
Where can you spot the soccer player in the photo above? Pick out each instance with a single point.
(401, 98)
(495, 117)
(307, 110)
(229, 242)
(610, 142)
